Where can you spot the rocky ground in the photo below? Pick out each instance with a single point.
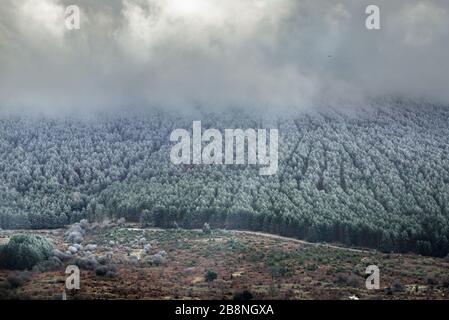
(122, 261)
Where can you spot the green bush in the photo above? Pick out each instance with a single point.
(445, 283)
(245, 295)
(24, 251)
(210, 276)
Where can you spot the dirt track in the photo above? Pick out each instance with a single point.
(274, 236)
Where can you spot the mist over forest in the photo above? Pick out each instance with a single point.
(376, 179)
(86, 116)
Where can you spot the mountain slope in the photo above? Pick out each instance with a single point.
(375, 178)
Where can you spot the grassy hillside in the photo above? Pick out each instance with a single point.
(267, 267)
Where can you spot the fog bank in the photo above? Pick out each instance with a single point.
(215, 54)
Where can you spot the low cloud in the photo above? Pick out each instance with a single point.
(176, 54)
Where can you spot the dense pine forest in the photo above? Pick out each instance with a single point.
(374, 177)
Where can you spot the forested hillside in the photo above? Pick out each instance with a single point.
(377, 178)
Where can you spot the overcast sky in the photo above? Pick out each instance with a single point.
(268, 54)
